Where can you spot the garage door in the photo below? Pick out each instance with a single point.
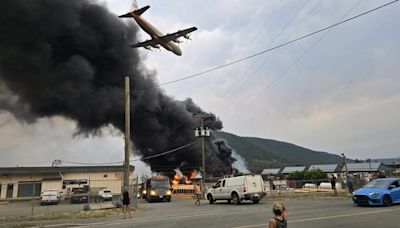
(29, 189)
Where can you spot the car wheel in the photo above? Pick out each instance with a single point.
(256, 200)
(387, 201)
(235, 199)
(210, 199)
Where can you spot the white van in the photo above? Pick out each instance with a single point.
(50, 196)
(237, 189)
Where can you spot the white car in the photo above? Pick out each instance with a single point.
(237, 189)
(106, 194)
(50, 196)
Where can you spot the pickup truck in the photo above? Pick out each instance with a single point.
(50, 196)
(80, 195)
(237, 189)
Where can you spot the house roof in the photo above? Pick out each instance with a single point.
(61, 169)
(270, 171)
(364, 167)
(330, 168)
(292, 169)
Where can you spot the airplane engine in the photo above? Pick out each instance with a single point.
(156, 46)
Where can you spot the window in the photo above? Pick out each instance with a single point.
(218, 184)
(223, 183)
(29, 188)
(105, 175)
(82, 181)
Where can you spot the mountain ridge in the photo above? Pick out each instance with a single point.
(260, 153)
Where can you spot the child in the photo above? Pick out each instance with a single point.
(280, 219)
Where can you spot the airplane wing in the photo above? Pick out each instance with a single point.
(145, 44)
(176, 35)
(166, 38)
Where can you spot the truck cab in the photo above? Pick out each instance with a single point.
(157, 189)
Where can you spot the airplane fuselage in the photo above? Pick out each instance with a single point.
(156, 34)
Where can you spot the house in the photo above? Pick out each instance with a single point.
(272, 172)
(368, 167)
(27, 182)
(327, 168)
(288, 170)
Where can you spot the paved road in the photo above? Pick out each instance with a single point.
(183, 213)
(302, 213)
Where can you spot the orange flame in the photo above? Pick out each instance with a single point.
(180, 178)
(176, 179)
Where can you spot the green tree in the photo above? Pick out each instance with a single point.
(296, 175)
(314, 174)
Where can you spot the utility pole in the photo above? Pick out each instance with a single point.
(370, 168)
(202, 132)
(345, 163)
(127, 134)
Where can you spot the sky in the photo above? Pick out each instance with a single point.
(337, 91)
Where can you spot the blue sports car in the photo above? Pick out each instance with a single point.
(383, 191)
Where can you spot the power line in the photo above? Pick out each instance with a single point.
(251, 99)
(224, 104)
(254, 38)
(166, 152)
(276, 47)
(139, 159)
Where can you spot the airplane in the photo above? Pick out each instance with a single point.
(157, 38)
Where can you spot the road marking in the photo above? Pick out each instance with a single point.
(325, 217)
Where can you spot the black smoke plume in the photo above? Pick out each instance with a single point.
(69, 58)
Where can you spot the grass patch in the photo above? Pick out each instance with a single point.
(65, 215)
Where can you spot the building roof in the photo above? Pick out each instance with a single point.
(330, 168)
(61, 169)
(292, 169)
(364, 167)
(388, 161)
(270, 171)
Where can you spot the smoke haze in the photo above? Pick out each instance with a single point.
(69, 58)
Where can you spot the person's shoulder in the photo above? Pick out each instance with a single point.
(272, 220)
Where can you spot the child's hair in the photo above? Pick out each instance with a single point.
(278, 208)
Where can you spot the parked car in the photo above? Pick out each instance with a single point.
(382, 191)
(105, 194)
(50, 196)
(237, 189)
(80, 195)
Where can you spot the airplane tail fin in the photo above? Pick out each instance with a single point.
(136, 12)
(134, 5)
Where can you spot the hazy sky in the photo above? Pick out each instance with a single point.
(337, 92)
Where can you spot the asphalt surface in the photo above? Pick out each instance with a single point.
(183, 213)
(302, 213)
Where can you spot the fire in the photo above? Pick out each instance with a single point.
(179, 178)
(191, 177)
(176, 179)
